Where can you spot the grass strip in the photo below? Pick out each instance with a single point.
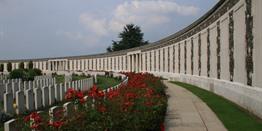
(233, 117)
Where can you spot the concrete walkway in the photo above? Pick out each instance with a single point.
(186, 112)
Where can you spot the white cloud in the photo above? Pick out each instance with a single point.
(89, 40)
(97, 25)
(146, 13)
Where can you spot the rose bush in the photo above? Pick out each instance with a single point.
(139, 105)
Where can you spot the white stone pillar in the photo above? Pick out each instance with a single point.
(137, 62)
(133, 63)
(161, 60)
(257, 31)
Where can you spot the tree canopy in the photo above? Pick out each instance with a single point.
(130, 37)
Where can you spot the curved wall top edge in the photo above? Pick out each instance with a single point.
(179, 36)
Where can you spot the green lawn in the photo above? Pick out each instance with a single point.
(106, 82)
(233, 117)
(61, 78)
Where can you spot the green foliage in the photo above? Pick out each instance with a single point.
(17, 73)
(25, 74)
(1, 67)
(106, 82)
(9, 66)
(21, 65)
(30, 65)
(31, 73)
(130, 37)
(233, 117)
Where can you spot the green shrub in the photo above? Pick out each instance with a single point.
(25, 74)
(30, 65)
(1, 67)
(17, 73)
(21, 65)
(9, 66)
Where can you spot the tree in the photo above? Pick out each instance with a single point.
(21, 65)
(30, 65)
(130, 37)
(9, 66)
(1, 67)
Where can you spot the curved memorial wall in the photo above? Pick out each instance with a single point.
(219, 52)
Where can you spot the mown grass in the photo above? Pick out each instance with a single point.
(233, 117)
(106, 82)
(61, 78)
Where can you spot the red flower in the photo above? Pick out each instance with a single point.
(130, 95)
(35, 117)
(34, 126)
(82, 101)
(128, 104)
(59, 113)
(70, 93)
(56, 124)
(101, 108)
(101, 94)
(26, 118)
(162, 127)
(79, 95)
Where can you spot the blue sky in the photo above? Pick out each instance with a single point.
(51, 28)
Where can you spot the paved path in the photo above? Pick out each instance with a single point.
(186, 112)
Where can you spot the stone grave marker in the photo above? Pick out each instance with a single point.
(62, 92)
(57, 92)
(20, 102)
(29, 95)
(68, 109)
(11, 125)
(8, 102)
(51, 95)
(56, 113)
(45, 96)
(38, 98)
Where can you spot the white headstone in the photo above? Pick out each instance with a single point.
(8, 88)
(56, 113)
(26, 85)
(2, 88)
(30, 85)
(29, 99)
(38, 98)
(8, 103)
(68, 109)
(14, 87)
(20, 86)
(20, 102)
(51, 95)
(45, 96)
(62, 92)
(11, 125)
(57, 92)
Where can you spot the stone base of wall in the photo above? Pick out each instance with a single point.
(249, 98)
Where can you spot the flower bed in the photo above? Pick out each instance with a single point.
(139, 105)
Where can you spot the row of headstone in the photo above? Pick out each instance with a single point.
(10, 80)
(14, 85)
(3, 77)
(65, 111)
(35, 98)
(68, 108)
(43, 77)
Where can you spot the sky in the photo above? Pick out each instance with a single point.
(54, 28)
